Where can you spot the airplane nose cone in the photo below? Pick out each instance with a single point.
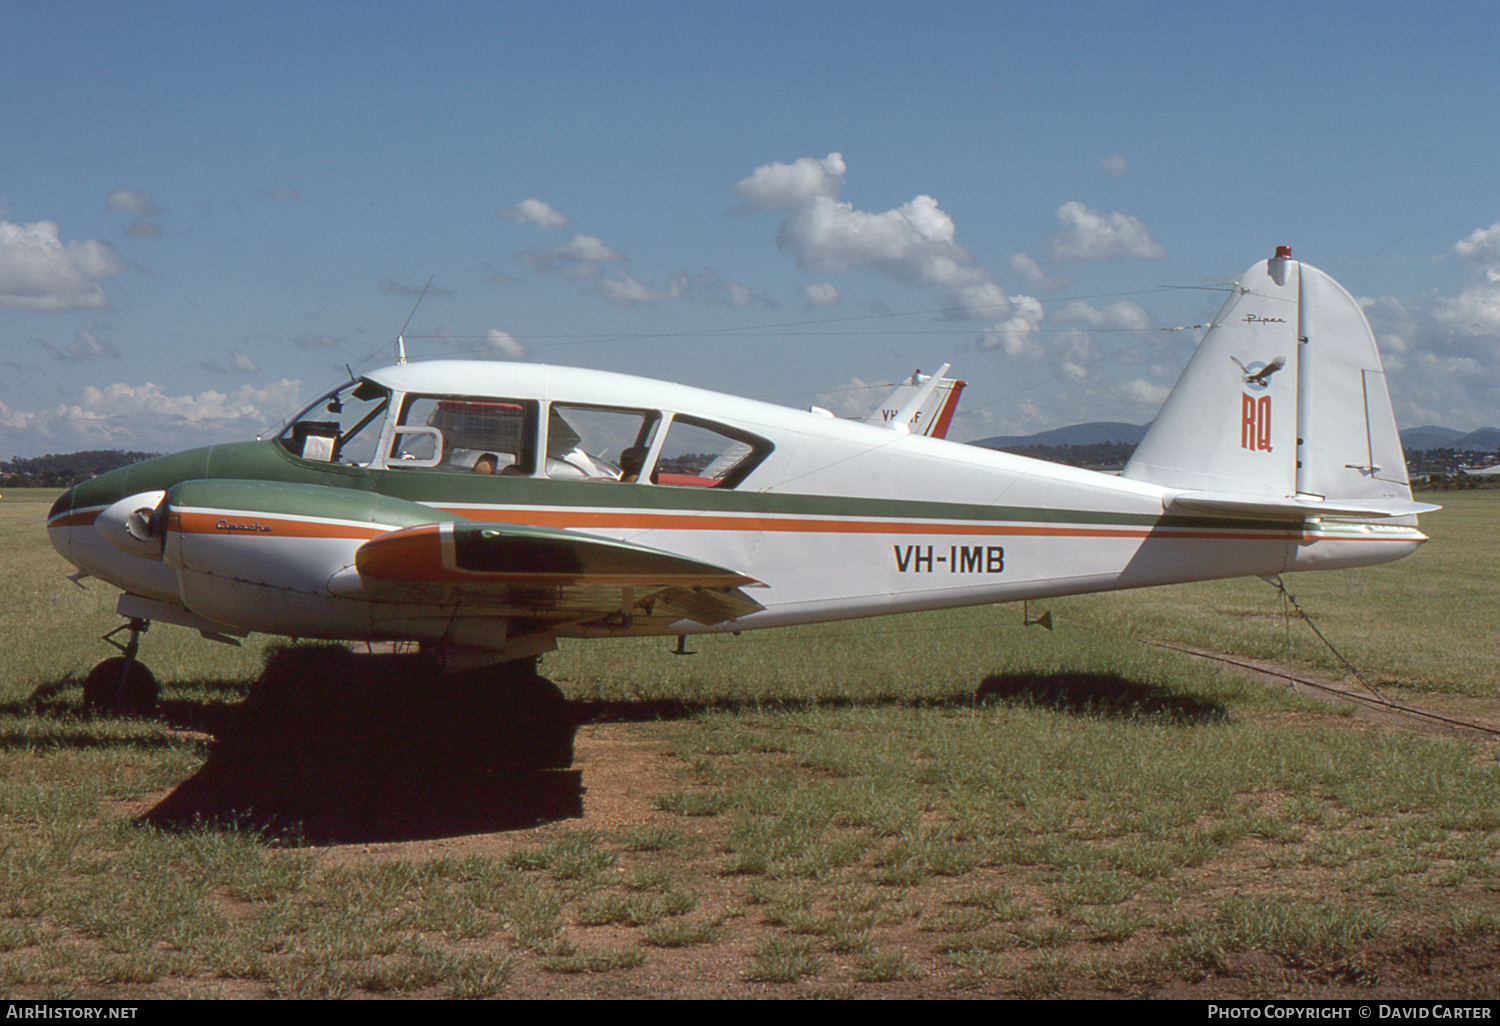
(64, 504)
(58, 527)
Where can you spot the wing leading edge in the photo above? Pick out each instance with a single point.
(542, 574)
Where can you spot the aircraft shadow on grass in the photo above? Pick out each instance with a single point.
(330, 748)
(1104, 695)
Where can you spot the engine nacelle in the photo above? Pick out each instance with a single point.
(259, 555)
(136, 524)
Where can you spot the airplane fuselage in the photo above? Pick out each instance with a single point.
(831, 519)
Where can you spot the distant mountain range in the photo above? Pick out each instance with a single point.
(1078, 434)
(1483, 440)
(1420, 438)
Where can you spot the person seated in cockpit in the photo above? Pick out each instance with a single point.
(632, 460)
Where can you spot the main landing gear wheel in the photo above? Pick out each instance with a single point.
(121, 687)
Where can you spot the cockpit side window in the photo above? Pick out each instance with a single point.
(341, 427)
(461, 434)
(598, 443)
(701, 454)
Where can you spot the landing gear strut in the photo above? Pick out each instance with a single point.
(121, 686)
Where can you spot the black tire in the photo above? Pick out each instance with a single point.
(120, 687)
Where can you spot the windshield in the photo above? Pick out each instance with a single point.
(341, 427)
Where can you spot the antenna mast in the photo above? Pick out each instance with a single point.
(401, 335)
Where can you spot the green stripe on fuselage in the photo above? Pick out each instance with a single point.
(268, 462)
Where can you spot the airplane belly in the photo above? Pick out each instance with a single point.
(86, 549)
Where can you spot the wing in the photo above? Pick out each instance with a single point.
(542, 575)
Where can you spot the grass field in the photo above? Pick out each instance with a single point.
(817, 812)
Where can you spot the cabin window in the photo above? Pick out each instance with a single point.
(699, 454)
(464, 435)
(598, 443)
(341, 427)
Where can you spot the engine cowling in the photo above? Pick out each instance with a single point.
(136, 524)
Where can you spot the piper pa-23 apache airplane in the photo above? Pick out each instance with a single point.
(484, 509)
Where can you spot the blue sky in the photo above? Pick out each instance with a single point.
(208, 210)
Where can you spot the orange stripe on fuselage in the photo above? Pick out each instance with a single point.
(222, 522)
(83, 518)
(637, 521)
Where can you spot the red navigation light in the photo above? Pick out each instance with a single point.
(1283, 252)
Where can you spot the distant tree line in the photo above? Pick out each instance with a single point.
(1436, 469)
(1421, 462)
(64, 470)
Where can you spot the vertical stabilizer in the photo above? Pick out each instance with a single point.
(1230, 424)
(923, 405)
(1284, 401)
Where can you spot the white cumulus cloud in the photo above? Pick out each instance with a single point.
(38, 271)
(134, 201)
(784, 186)
(1114, 165)
(534, 211)
(579, 257)
(622, 289)
(1032, 276)
(1483, 246)
(913, 244)
(821, 294)
(1117, 316)
(857, 399)
(1090, 235)
(85, 346)
(1147, 394)
(1442, 350)
(144, 417)
(504, 343)
(1016, 336)
(979, 302)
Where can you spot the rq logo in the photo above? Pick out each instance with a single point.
(1255, 423)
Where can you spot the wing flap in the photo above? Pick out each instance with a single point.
(543, 574)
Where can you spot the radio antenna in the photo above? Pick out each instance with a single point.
(401, 335)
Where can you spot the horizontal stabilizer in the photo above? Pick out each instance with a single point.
(1299, 508)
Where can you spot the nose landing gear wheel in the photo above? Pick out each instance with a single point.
(120, 687)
